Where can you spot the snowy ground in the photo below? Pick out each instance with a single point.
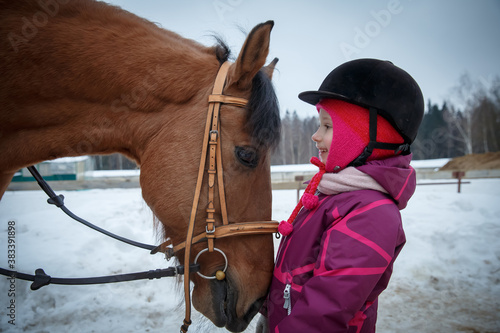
(447, 278)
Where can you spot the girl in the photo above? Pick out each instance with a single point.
(341, 240)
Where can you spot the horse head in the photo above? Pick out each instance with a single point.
(168, 176)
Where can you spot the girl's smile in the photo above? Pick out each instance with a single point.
(323, 136)
(322, 154)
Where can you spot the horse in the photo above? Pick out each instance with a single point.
(84, 77)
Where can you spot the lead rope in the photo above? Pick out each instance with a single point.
(58, 201)
(211, 118)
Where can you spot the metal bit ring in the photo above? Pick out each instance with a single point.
(205, 250)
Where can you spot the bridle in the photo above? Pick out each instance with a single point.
(211, 150)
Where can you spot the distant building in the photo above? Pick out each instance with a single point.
(66, 168)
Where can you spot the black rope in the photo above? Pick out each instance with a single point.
(41, 279)
(58, 200)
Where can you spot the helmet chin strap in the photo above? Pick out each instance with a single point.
(373, 144)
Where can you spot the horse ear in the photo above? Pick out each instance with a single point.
(269, 69)
(252, 56)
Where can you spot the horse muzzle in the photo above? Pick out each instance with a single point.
(225, 304)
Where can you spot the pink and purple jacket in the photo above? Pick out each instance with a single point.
(331, 269)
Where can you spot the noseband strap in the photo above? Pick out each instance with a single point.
(223, 231)
(227, 100)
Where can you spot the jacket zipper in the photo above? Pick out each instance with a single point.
(288, 300)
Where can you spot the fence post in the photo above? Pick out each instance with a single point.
(299, 179)
(458, 175)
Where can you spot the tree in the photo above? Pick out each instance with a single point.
(433, 139)
(479, 123)
(113, 162)
(452, 131)
(296, 145)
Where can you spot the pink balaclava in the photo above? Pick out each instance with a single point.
(351, 134)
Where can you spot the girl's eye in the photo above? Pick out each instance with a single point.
(247, 156)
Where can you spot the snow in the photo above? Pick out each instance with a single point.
(112, 173)
(447, 278)
(430, 164)
(69, 159)
(417, 164)
(294, 168)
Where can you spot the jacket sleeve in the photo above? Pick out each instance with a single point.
(353, 267)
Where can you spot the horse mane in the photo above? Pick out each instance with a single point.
(263, 118)
(263, 115)
(222, 51)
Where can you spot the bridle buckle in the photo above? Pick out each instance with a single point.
(216, 132)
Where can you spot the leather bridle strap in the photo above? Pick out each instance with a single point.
(212, 149)
(214, 98)
(211, 133)
(223, 231)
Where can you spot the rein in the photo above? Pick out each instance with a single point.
(41, 279)
(212, 149)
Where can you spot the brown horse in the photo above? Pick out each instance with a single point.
(83, 77)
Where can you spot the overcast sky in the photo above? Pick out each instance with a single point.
(436, 41)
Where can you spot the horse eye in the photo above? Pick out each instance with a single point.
(247, 156)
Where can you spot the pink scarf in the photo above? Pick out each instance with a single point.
(347, 180)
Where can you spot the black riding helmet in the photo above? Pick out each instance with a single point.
(380, 87)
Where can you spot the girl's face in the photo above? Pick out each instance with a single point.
(323, 136)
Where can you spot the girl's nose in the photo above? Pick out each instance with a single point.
(315, 137)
